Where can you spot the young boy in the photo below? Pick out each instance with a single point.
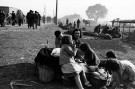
(123, 71)
(58, 38)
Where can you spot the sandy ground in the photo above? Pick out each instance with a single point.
(20, 45)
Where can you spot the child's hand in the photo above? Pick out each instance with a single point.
(74, 47)
(78, 60)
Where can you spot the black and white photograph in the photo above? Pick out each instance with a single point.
(67, 44)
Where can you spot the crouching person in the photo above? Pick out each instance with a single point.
(68, 65)
(123, 71)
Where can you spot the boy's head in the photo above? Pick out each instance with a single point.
(110, 54)
(112, 65)
(58, 34)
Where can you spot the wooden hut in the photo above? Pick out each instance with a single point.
(123, 22)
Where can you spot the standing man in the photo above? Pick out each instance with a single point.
(43, 18)
(29, 18)
(67, 22)
(35, 16)
(2, 18)
(74, 25)
(13, 18)
(39, 18)
(78, 23)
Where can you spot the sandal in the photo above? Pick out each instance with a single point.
(88, 84)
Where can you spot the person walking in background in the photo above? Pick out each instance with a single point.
(43, 18)
(39, 18)
(2, 18)
(69, 67)
(123, 71)
(9, 19)
(13, 18)
(30, 18)
(74, 25)
(19, 16)
(78, 23)
(35, 20)
(67, 22)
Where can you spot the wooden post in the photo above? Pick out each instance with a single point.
(123, 31)
(56, 11)
(129, 27)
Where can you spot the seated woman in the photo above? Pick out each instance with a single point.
(69, 67)
(123, 71)
(76, 35)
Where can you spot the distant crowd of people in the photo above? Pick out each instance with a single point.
(33, 19)
(114, 32)
(70, 25)
(11, 18)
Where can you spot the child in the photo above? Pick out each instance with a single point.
(68, 65)
(90, 56)
(58, 38)
(123, 71)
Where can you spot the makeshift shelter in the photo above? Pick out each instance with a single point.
(131, 36)
(123, 22)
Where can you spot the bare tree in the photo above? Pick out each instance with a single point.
(97, 11)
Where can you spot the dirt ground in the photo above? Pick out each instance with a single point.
(20, 45)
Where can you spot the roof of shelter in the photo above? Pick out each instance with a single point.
(124, 21)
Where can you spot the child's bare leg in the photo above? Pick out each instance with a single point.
(78, 82)
(83, 76)
(85, 79)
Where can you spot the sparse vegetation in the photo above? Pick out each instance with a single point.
(20, 45)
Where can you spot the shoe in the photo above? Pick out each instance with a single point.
(88, 84)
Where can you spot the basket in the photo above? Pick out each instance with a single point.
(94, 80)
(46, 74)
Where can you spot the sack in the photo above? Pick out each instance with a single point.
(98, 78)
(44, 57)
(56, 52)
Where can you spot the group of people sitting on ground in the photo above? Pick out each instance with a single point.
(113, 32)
(76, 56)
(69, 25)
(73, 50)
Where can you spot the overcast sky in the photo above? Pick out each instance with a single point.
(123, 9)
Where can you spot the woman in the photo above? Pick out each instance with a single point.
(76, 35)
